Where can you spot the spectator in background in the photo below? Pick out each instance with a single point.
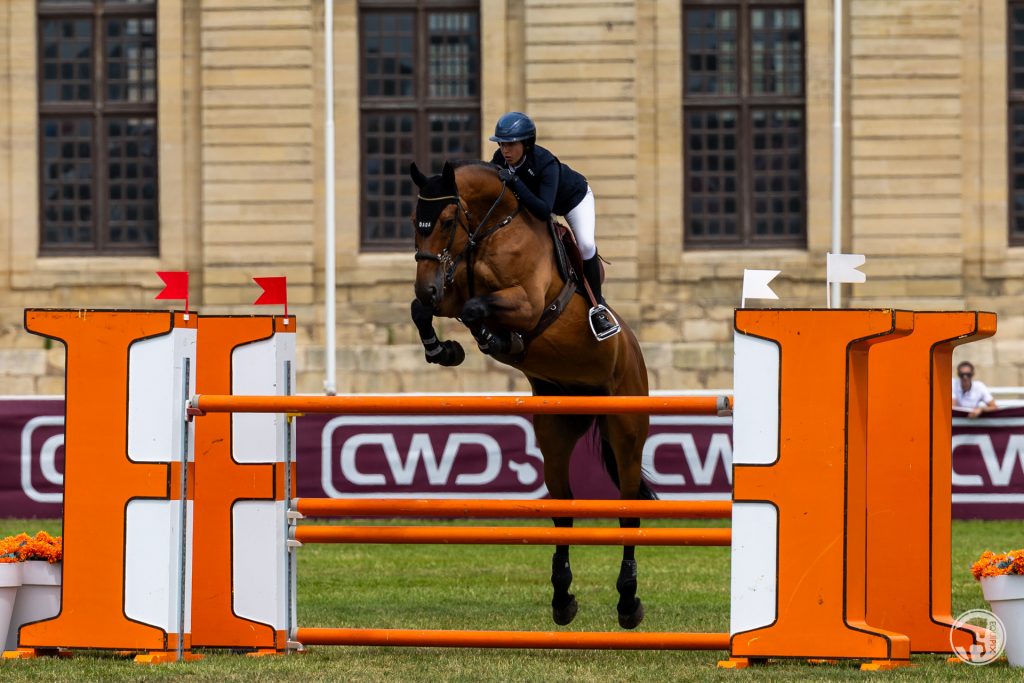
(971, 394)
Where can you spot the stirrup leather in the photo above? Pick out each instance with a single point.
(614, 330)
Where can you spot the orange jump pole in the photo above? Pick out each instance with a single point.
(514, 639)
(463, 508)
(510, 535)
(462, 405)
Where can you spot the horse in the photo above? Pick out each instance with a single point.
(485, 261)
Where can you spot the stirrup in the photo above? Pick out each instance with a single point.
(614, 330)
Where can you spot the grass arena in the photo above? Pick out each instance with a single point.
(434, 582)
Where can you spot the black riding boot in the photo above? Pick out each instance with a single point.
(602, 322)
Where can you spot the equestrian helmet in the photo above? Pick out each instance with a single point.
(513, 127)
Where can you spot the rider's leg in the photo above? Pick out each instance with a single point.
(592, 272)
(582, 221)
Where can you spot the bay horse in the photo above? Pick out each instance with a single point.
(485, 261)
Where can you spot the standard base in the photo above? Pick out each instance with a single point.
(165, 657)
(884, 664)
(33, 652)
(873, 665)
(734, 663)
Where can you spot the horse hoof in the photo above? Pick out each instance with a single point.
(633, 619)
(453, 354)
(563, 616)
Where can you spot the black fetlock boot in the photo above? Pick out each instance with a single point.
(563, 603)
(602, 323)
(631, 610)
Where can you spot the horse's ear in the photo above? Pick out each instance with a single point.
(448, 175)
(417, 175)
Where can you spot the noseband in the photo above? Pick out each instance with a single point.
(476, 236)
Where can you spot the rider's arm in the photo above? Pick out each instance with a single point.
(540, 204)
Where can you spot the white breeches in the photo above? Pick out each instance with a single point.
(582, 220)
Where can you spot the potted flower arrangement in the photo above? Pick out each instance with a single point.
(36, 595)
(10, 580)
(1002, 583)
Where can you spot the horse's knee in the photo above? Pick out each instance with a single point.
(475, 310)
(423, 317)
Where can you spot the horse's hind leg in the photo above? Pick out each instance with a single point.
(623, 453)
(556, 436)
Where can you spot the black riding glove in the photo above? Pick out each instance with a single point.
(506, 175)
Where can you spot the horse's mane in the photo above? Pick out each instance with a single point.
(459, 163)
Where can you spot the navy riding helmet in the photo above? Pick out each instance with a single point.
(513, 127)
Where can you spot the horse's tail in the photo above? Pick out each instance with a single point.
(610, 466)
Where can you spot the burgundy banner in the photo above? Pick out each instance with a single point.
(497, 457)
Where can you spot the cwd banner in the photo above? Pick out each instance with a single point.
(497, 457)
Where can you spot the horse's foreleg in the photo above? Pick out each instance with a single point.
(447, 353)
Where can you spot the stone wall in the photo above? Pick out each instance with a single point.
(242, 194)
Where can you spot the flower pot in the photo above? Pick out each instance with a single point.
(38, 597)
(1005, 594)
(10, 580)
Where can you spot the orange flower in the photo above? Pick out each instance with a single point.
(993, 564)
(22, 547)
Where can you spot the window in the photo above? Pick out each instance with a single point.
(97, 127)
(1015, 44)
(419, 101)
(743, 113)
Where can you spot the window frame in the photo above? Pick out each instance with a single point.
(1014, 101)
(744, 104)
(99, 111)
(420, 104)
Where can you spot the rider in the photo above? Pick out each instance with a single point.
(547, 186)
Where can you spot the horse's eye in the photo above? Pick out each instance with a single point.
(447, 225)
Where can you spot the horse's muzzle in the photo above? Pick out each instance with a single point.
(429, 284)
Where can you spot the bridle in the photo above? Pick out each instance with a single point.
(476, 236)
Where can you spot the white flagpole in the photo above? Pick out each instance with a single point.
(330, 305)
(837, 142)
(828, 281)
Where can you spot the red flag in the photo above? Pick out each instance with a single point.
(275, 291)
(175, 285)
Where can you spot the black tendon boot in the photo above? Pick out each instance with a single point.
(602, 323)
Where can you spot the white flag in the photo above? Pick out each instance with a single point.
(755, 285)
(843, 268)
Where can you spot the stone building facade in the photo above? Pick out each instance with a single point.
(928, 178)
